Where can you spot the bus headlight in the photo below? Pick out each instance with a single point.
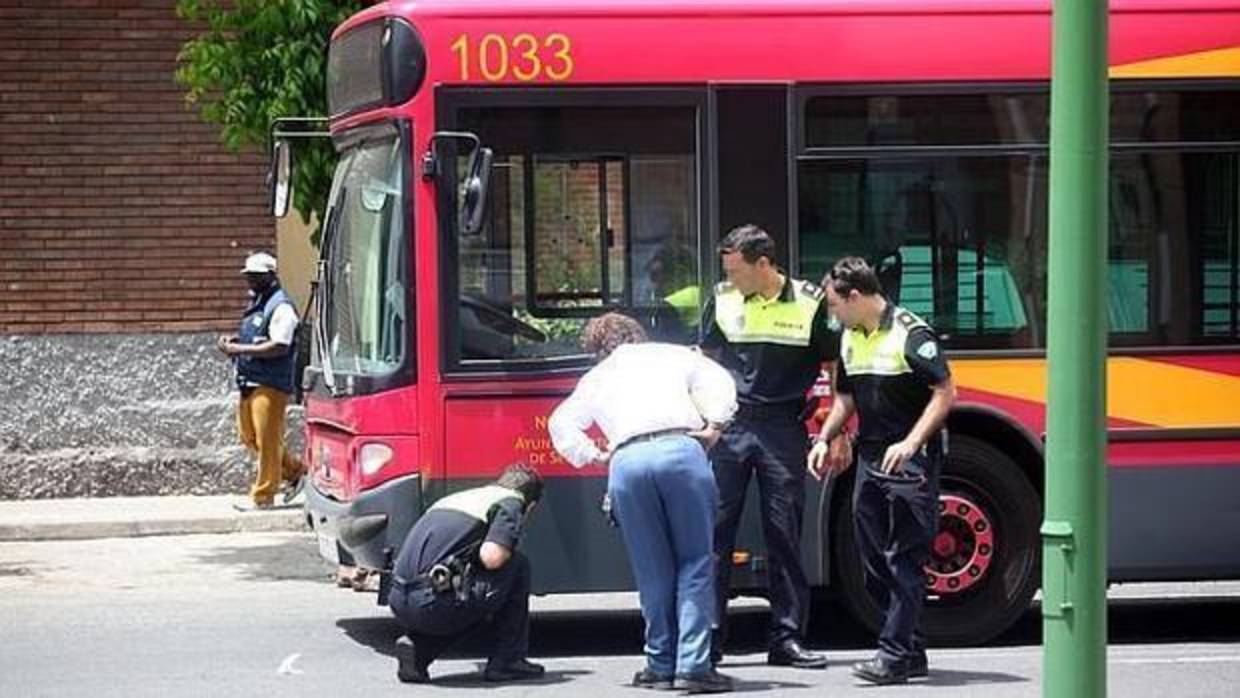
(372, 457)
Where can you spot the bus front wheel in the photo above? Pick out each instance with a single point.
(983, 568)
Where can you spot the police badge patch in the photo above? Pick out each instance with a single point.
(928, 351)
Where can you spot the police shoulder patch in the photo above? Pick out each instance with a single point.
(908, 320)
(812, 290)
(928, 350)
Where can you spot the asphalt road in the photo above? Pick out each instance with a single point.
(255, 615)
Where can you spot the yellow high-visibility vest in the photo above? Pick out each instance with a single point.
(780, 320)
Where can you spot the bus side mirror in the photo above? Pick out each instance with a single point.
(280, 177)
(474, 196)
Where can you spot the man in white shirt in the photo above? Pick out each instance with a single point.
(264, 354)
(660, 407)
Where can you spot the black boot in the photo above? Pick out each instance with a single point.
(518, 670)
(705, 682)
(881, 671)
(919, 666)
(791, 653)
(649, 679)
(411, 666)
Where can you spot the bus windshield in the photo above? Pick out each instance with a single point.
(363, 327)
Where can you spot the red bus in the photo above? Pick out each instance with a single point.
(509, 169)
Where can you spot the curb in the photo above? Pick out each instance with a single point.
(249, 522)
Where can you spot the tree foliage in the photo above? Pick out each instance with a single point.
(254, 61)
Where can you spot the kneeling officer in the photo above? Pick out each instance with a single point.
(458, 573)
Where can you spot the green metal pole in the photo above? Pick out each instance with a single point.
(1074, 532)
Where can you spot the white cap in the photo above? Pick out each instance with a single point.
(259, 263)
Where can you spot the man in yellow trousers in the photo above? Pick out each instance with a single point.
(264, 355)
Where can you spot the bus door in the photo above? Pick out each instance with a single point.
(594, 205)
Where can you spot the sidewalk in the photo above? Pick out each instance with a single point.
(119, 517)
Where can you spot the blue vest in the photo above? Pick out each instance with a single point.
(276, 371)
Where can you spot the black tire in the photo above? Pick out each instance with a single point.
(986, 476)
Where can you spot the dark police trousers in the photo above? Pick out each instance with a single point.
(895, 524)
(497, 607)
(772, 443)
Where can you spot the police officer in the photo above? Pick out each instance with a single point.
(892, 372)
(677, 311)
(771, 333)
(264, 352)
(459, 573)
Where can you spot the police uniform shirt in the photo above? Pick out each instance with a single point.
(456, 522)
(889, 374)
(772, 348)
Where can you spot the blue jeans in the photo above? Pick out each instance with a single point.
(664, 497)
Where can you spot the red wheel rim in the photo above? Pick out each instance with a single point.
(964, 548)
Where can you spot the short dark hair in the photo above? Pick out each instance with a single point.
(751, 241)
(604, 333)
(523, 479)
(852, 274)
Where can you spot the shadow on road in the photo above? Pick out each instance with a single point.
(379, 634)
(619, 633)
(947, 677)
(758, 686)
(286, 558)
(473, 679)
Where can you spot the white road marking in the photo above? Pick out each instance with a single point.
(286, 666)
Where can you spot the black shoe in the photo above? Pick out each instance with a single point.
(882, 671)
(411, 667)
(791, 653)
(520, 670)
(705, 682)
(919, 666)
(649, 679)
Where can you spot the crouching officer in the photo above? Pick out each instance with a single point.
(458, 573)
(893, 374)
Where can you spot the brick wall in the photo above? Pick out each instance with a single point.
(119, 210)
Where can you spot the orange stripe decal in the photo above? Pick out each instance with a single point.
(1138, 390)
(1218, 63)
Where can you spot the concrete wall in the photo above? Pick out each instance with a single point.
(104, 415)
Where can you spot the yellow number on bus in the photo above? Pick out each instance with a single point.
(563, 53)
(527, 46)
(461, 47)
(484, 57)
(530, 62)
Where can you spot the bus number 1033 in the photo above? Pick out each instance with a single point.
(525, 57)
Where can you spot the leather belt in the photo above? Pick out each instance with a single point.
(651, 436)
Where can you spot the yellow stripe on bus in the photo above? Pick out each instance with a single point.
(1138, 390)
(1217, 63)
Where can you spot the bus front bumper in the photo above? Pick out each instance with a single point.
(370, 529)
